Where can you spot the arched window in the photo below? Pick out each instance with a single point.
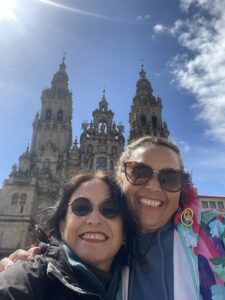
(154, 122)
(101, 163)
(23, 198)
(60, 115)
(114, 150)
(91, 165)
(15, 198)
(46, 164)
(89, 149)
(112, 165)
(102, 127)
(143, 121)
(48, 115)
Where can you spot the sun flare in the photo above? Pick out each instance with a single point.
(6, 8)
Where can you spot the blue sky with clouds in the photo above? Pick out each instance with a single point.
(180, 42)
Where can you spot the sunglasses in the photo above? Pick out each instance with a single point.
(171, 180)
(83, 207)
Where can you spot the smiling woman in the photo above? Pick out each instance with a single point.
(6, 8)
(89, 236)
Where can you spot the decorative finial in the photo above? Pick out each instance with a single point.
(75, 142)
(28, 147)
(142, 71)
(103, 93)
(64, 57)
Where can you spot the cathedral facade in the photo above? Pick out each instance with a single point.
(53, 157)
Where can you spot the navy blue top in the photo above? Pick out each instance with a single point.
(154, 279)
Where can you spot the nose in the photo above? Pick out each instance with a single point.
(153, 183)
(95, 217)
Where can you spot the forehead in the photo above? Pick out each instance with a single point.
(95, 189)
(157, 156)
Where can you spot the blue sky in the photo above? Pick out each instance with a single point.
(181, 44)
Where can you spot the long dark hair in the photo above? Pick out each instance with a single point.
(60, 210)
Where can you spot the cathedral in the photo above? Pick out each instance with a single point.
(53, 157)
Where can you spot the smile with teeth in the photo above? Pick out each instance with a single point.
(152, 203)
(94, 236)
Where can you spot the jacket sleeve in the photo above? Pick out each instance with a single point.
(23, 281)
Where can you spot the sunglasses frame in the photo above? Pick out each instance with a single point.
(100, 208)
(184, 175)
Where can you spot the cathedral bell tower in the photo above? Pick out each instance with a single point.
(101, 141)
(35, 184)
(146, 111)
(53, 126)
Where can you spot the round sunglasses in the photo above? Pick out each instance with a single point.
(170, 179)
(82, 207)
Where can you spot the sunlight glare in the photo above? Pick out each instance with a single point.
(6, 8)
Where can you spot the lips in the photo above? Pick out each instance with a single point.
(93, 236)
(150, 203)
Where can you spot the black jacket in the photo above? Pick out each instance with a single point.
(49, 277)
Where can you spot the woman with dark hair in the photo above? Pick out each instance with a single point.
(89, 236)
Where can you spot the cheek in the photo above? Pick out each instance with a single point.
(68, 227)
(173, 200)
(119, 232)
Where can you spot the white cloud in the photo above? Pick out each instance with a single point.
(143, 18)
(159, 28)
(201, 69)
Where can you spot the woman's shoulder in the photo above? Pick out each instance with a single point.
(22, 278)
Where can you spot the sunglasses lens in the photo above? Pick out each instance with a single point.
(81, 207)
(109, 209)
(172, 180)
(137, 173)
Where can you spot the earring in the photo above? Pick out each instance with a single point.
(187, 217)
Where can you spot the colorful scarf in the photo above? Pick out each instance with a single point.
(199, 251)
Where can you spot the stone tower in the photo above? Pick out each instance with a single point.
(146, 111)
(35, 184)
(101, 140)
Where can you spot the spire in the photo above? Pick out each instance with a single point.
(28, 148)
(103, 104)
(142, 72)
(146, 111)
(143, 84)
(103, 95)
(62, 66)
(60, 78)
